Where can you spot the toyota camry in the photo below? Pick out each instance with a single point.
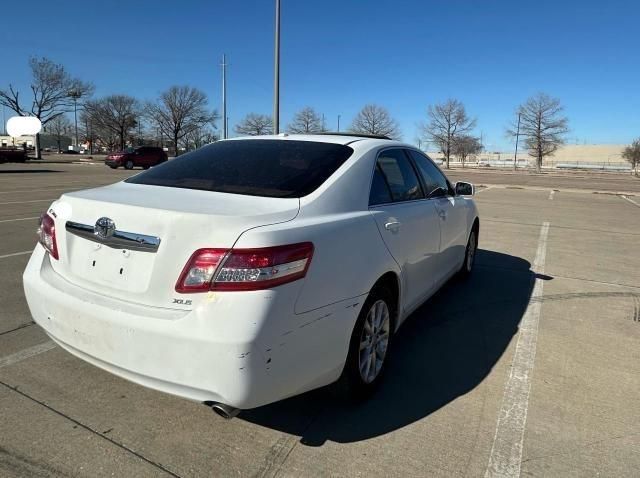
(252, 269)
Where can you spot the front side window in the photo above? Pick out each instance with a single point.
(256, 167)
(399, 175)
(435, 182)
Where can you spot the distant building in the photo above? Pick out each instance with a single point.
(567, 154)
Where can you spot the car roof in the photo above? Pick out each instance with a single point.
(337, 138)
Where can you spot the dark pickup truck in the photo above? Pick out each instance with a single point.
(12, 155)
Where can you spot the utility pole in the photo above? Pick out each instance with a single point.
(4, 124)
(515, 156)
(276, 85)
(224, 96)
(75, 94)
(338, 123)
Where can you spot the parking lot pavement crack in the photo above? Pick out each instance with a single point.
(29, 324)
(584, 445)
(24, 466)
(122, 446)
(282, 449)
(583, 279)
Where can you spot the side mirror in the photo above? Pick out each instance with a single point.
(464, 189)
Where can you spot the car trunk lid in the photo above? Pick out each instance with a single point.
(181, 220)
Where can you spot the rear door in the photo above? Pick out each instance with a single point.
(143, 157)
(451, 211)
(408, 223)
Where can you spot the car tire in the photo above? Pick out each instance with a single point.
(146, 167)
(469, 254)
(128, 164)
(369, 346)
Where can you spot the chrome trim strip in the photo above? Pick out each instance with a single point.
(120, 239)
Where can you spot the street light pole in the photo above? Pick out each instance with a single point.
(276, 86)
(338, 123)
(224, 96)
(75, 116)
(515, 156)
(75, 94)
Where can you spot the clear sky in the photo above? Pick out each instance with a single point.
(339, 55)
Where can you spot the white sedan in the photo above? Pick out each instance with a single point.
(252, 270)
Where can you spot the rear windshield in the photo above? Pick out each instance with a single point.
(256, 167)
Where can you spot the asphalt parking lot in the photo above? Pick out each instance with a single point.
(531, 367)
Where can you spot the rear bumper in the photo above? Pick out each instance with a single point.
(244, 350)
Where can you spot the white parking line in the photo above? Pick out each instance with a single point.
(551, 195)
(484, 189)
(16, 254)
(19, 219)
(630, 200)
(506, 452)
(32, 200)
(26, 353)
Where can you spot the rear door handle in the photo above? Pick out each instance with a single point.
(392, 226)
(442, 214)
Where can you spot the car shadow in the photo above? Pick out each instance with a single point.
(444, 350)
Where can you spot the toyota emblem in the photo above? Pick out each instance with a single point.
(104, 228)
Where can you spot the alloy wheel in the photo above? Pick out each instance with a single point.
(374, 341)
(471, 251)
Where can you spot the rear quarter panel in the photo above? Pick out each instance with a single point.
(349, 255)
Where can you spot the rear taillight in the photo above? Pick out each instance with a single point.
(198, 273)
(245, 269)
(47, 235)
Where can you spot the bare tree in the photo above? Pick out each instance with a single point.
(448, 121)
(59, 127)
(199, 137)
(88, 131)
(52, 90)
(179, 111)
(542, 126)
(465, 147)
(114, 115)
(306, 121)
(632, 154)
(255, 125)
(374, 119)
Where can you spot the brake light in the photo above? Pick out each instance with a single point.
(47, 235)
(245, 269)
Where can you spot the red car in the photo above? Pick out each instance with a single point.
(144, 156)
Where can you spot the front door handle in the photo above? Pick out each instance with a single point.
(392, 226)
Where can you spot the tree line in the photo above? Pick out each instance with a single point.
(448, 127)
(181, 116)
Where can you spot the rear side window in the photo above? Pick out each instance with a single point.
(380, 193)
(257, 167)
(399, 175)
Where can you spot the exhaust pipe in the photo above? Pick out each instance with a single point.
(225, 411)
